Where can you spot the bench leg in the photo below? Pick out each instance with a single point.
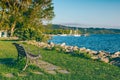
(26, 64)
(25, 67)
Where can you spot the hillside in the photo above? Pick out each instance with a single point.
(87, 30)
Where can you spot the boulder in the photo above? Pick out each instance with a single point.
(93, 52)
(32, 42)
(58, 49)
(75, 48)
(63, 44)
(43, 45)
(103, 54)
(69, 49)
(115, 55)
(105, 59)
(52, 44)
(82, 49)
(87, 50)
(49, 47)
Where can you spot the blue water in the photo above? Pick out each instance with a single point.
(105, 42)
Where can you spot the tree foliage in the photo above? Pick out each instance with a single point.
(17, 15)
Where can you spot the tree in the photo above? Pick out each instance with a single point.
(27, 13)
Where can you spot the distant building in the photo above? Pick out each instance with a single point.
(3, 33)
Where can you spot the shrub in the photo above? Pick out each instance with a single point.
(31, 34)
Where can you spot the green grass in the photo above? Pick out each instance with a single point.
(79, 68)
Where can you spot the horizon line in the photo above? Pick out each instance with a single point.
(88, 25)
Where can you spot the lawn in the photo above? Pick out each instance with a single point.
(79, 68)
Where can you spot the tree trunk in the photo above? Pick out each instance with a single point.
(12, 29)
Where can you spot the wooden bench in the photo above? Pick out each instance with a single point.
(22, 53)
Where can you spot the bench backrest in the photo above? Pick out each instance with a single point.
(22, 54)
(21, 50)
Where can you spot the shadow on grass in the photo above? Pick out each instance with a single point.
(9, 62)
(81, 55)
(13, 63)
(117, 59)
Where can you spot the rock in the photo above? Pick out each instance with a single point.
(51, 72)
(50, 68)
(115, 55)
(63, 44)
(91, 52)
(58, 49)
(44, 45)
(36, 72)
(82, 49)
(52, 44)
(48, 47)
(105, 59)
(75, 48)
(9, 75)
(88, 50)
(68, 49)
(103, 54)
(63, 71)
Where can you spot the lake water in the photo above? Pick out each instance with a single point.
(105, 42)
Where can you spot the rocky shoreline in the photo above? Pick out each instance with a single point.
(103, 56)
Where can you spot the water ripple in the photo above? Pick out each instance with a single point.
(106, 42)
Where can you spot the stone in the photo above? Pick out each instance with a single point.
(95, 55)
(82, 49)
(63, 44)
(103, 54)
(10, 75)
(106, 60)
(75, 48)
(93, 52)
(50, 68)
(69, 49)
(63, 71)
(49, 47)
(36, 72)
(52, 44)
(51, 72)
(88, 50)
(42, 44)
(115, 55)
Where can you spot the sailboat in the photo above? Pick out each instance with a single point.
(63, 35)
(76, 33)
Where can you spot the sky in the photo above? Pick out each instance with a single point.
(87, 13)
